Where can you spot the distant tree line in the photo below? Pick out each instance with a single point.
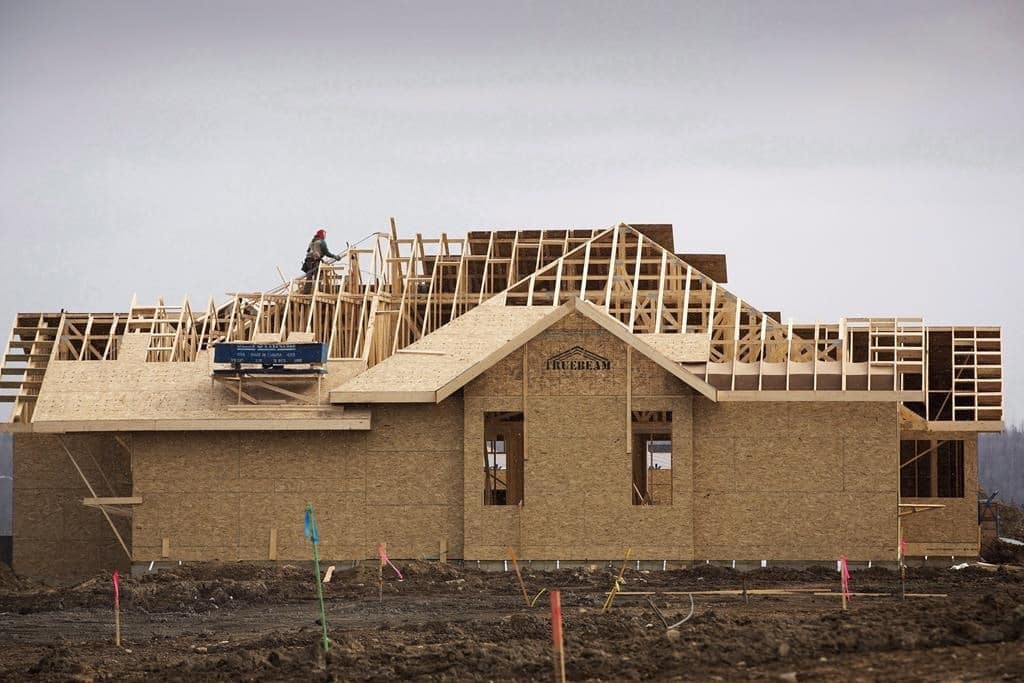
(1000, 466)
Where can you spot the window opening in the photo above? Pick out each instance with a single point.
(652, 457)
(932, 469)
(503, 458)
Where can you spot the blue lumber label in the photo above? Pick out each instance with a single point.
(270, 354)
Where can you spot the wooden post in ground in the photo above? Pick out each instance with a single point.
(117, 610)
(844, 580)
(382, 549)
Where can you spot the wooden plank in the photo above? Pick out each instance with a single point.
(352, 421)
(586, 269)
(611, 271)
(114, 500)
(883, 595)
(636, 282)
(629, 400)
(165, 547)
(755, 396)
(661, 292)
(966, 426)
(337, 396)
(272, 551)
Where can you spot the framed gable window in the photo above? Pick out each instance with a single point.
(503, 458)
(652, 457)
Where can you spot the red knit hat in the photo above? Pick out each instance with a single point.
(321, 233)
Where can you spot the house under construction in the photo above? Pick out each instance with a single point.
(567, 393)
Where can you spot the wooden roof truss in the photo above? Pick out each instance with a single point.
(389, 291)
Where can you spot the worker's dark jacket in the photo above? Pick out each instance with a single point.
(315, 253)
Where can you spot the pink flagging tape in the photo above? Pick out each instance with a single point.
(117, 590)
(845, 576)
(385, 560)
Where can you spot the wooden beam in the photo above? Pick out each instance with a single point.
(755, 396)
(629, 400)
(611, 271)
(113, 500)
(661, 292)
(349, 420)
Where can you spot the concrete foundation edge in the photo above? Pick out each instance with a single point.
(141, 568)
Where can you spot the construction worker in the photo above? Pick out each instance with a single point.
(316, 252)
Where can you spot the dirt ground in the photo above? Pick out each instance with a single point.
(228, 622)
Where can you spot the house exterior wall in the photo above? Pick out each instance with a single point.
(749, 481)
(780, 481)
(218, 495)
(795, 481)
(577, 495)
(55, 536)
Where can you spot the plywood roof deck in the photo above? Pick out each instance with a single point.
(420, 372)
(447, 360)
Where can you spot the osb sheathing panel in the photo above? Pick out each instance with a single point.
(680, 348)
(955, 524)
(130, 388)
(218, 495)
(780, 526)
(505, 378)
(795, 480)
(54, 534)
(578, 475)
(443, 355)
(651, 380)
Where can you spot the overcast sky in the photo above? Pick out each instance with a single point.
(851, 158)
